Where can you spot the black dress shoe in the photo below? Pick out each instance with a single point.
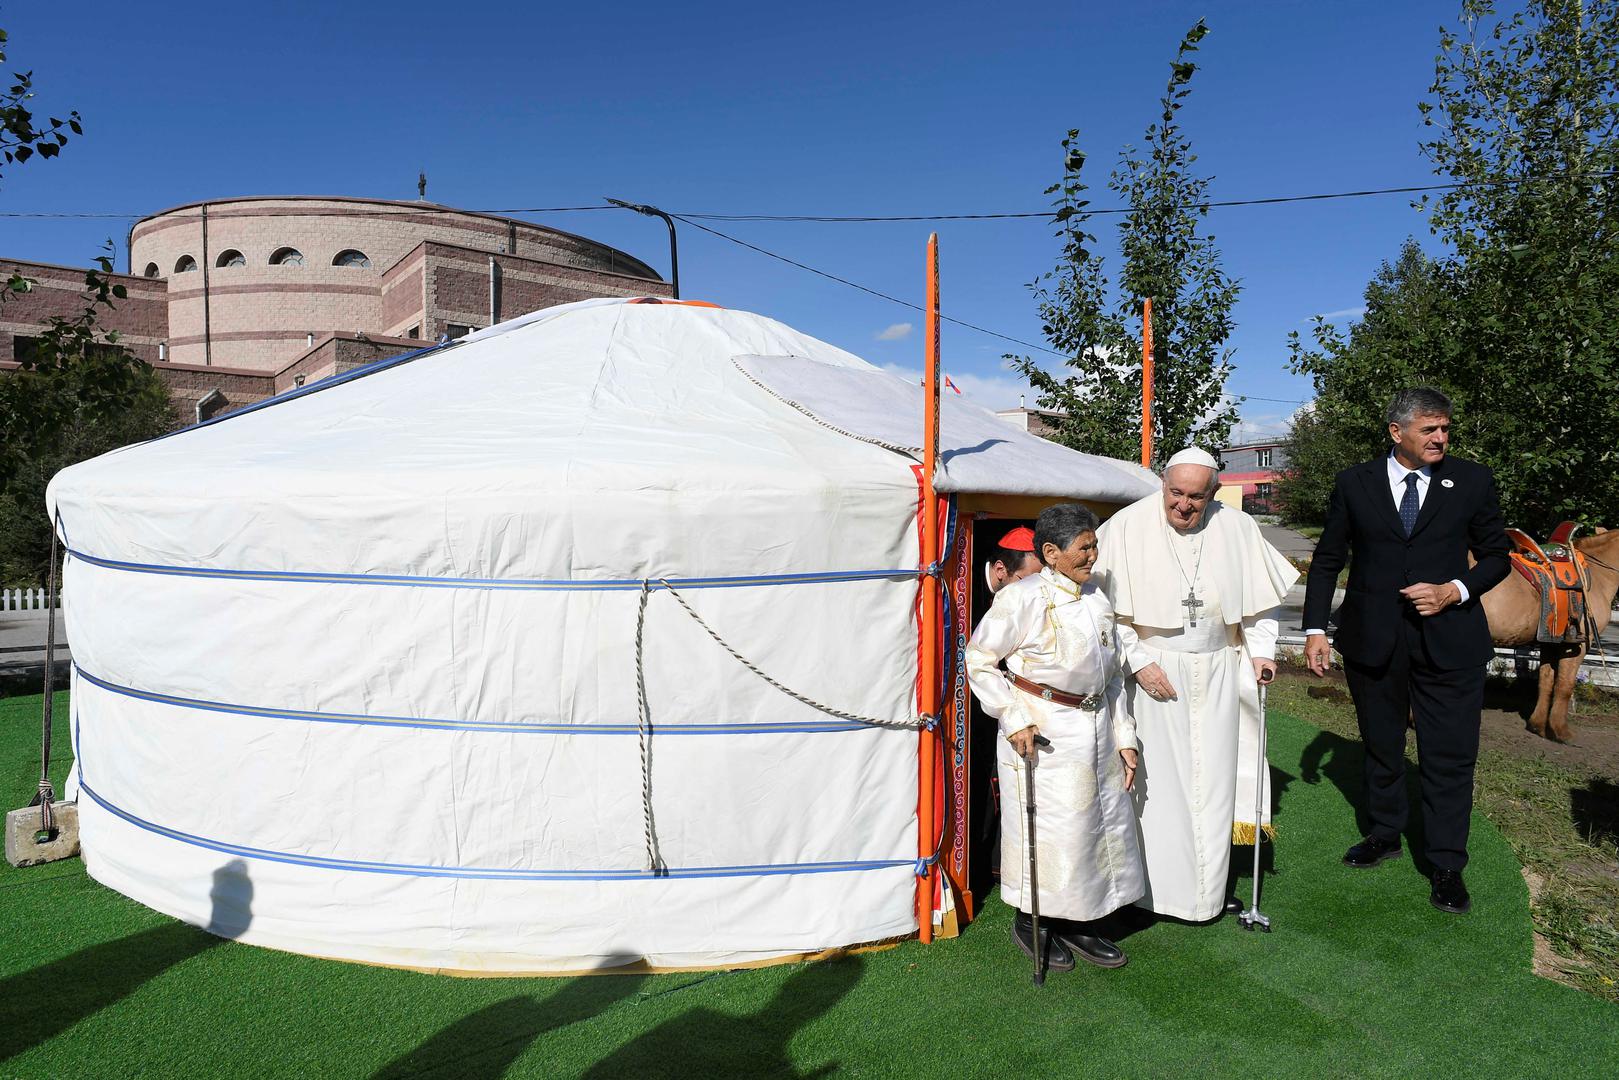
(1371, 851)
(1449, 894)
(1233, 906)
(1058, 958)
(1087, 944)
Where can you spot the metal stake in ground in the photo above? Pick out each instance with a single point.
(1034, 865)
(1253, 917)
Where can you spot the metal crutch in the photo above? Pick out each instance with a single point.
(1034, 873)
(1253, 917)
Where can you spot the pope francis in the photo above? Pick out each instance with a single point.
(1195, 586)
(1054, 632)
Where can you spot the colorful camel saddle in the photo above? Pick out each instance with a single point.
(1557, 571)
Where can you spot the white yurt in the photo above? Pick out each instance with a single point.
(587, 642)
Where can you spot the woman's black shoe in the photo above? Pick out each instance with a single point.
(1058, 958)
(1089, 945)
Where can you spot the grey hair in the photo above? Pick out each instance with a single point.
(1417, 401)
(1060, 524)
(1214, 475)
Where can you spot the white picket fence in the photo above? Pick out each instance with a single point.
(24, 599)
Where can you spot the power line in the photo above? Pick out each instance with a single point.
(1274, 200)
(917, 307)
(864, 288)
(400, 208)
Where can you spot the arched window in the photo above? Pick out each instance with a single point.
(185, 264)
(151, 270)
(287, 257)
(230, 257)
(350, 257)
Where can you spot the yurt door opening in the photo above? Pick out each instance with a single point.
(989, 565)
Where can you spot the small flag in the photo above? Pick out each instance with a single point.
(950, 385)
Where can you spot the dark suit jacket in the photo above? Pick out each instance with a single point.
(1460, 513)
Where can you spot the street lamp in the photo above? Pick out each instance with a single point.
(674, 250)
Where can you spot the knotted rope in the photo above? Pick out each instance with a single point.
(644, 720)
(47, 794)
(643, 728)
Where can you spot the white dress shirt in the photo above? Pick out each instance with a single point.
(1397, 475)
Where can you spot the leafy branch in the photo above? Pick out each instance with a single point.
(20, 137)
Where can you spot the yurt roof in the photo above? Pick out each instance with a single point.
(596, 396)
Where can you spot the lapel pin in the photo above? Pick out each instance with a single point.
(1447, 482)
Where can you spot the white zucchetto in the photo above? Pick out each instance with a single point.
(1193, 456)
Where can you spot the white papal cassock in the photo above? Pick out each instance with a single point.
(1195, 788)
(1051, 631)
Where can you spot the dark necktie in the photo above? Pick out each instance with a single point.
(1408, 504)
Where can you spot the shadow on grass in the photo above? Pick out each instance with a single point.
(706, 1043)
(1242, 855)
(39, 1004)
(484, 1044)
(1595, 808)
(1517, 695)
(1342, 762)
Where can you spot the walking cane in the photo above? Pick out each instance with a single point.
(1253, 917)
(1034, 873)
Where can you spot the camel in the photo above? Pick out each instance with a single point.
(1513, 608)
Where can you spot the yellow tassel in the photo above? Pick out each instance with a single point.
(1242, 832)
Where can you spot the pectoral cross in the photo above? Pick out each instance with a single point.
(1192, 604)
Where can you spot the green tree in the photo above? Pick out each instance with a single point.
(21, 138)
(1163, 256)
(1525, 113)
(78, 372)
(1404, 338)
(82, 431)
(1519, 320)
(73, 374)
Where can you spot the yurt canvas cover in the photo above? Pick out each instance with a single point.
(359, 674)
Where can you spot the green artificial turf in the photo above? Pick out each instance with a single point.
(1361, 978)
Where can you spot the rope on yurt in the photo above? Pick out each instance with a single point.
(909, 451)
(643, 728)
(47, 794)
(869, 721)
(644, 722)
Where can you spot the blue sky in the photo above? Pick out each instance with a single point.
(828, 108)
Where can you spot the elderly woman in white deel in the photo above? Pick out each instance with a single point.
(1062, 679)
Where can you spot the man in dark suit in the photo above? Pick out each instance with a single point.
(1412, 634)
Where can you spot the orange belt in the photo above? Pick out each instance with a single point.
(1089, 702)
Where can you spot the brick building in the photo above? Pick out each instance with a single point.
(234, 300)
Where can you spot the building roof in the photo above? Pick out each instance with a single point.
(417, 205)
(1259, 444)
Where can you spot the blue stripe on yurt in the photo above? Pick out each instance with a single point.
(537, 584)
(487, 873)
(428, 723)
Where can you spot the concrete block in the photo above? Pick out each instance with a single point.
(21, 826)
